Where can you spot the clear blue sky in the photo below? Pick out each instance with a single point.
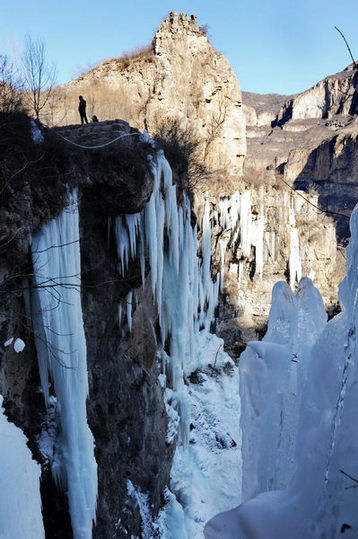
(282, 46)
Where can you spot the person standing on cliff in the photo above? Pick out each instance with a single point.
(82, 110)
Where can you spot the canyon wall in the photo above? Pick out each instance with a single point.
(258, 229)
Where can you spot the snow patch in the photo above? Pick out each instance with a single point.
(20, 500)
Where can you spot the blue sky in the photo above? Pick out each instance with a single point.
(282, 46)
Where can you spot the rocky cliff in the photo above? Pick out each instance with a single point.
(309, 140)
(180, 80)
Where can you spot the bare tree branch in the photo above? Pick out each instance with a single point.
(348, 47)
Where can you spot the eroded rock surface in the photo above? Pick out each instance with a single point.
(180, 79)
(309, 140)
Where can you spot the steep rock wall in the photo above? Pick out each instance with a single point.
(312, 142)
(336, 94)
(123, 370)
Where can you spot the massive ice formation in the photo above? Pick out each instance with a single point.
(272, 376)
(61, 349)
(184, 291)
(318, 498)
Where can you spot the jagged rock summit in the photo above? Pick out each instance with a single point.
(180, 79)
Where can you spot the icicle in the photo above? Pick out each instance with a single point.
(223, 212)
(129, 310)
(182, 287)
(245, 223)
(260, 231)
(133, 221)
(122, 245)
(206, 250)
(61, 350)
(223, 244)
(235, 209)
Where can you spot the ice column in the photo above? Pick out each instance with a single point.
(61, 349)
(260, 229)
(273, 374)
(245, 223)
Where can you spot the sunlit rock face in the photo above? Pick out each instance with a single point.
(336, 94)
(309, 140)
(179, 79)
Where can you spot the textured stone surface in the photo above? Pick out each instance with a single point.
(246, 299)
(311, 142)
(180, 79)
(126, 410)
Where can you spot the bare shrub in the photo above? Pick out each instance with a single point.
(144, 51)
(181, 148)
(11, 86)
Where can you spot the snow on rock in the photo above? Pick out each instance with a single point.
(61, 350)
(142, 500)
(9, 341)
(19, 345)
(36, 134)
(20, 500)
(320, 499)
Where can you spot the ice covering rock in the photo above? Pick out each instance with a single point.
(320, 499)
(61, 350)
(205, 476)
(20, 500)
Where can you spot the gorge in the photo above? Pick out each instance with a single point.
(139, 259)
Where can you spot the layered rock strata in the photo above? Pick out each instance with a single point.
(310, 140)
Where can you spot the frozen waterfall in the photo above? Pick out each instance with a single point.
(61, 350)
(300, 401)
(164, 231)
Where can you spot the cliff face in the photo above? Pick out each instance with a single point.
(122, 367)
(180, 80)
(311, 141)
(261, 235)
(336, 94)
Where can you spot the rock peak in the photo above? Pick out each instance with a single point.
(178, 26)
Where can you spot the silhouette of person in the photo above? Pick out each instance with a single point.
(94, 118)
(82, 110)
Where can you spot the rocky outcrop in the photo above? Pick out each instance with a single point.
(179, 80)
(336, 94)
(122, 367)
(262, 109)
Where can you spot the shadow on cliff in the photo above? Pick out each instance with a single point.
(333, 175)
